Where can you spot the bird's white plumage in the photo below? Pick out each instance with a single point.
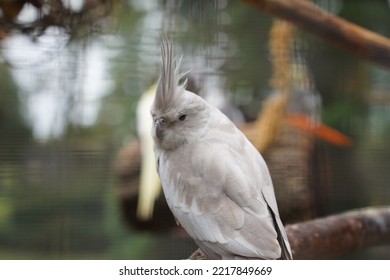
(216, 183)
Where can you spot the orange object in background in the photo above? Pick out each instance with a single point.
(320, 130)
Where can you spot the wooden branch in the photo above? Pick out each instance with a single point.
(334, 236)
(351, 37)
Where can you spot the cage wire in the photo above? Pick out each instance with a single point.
(276, 81)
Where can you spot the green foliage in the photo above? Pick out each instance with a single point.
(340, 115)
(12, 125)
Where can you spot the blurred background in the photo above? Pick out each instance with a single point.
(72, 73)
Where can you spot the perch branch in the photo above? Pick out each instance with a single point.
(351, 37)
(336, 235)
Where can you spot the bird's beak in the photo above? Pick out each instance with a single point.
(159, 124)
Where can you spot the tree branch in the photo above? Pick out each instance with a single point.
(336, 235)
(351, 37)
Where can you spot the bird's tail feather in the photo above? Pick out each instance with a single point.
(282, 237)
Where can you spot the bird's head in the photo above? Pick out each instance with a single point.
(179, 116)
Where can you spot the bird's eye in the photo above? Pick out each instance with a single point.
(182, 117)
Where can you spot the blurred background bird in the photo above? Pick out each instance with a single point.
(149, 186)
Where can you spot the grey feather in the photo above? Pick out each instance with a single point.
(215, 182)
(168, 86)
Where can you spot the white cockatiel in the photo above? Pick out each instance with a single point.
(216, 183)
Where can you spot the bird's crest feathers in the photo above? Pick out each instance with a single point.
(168, 86)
